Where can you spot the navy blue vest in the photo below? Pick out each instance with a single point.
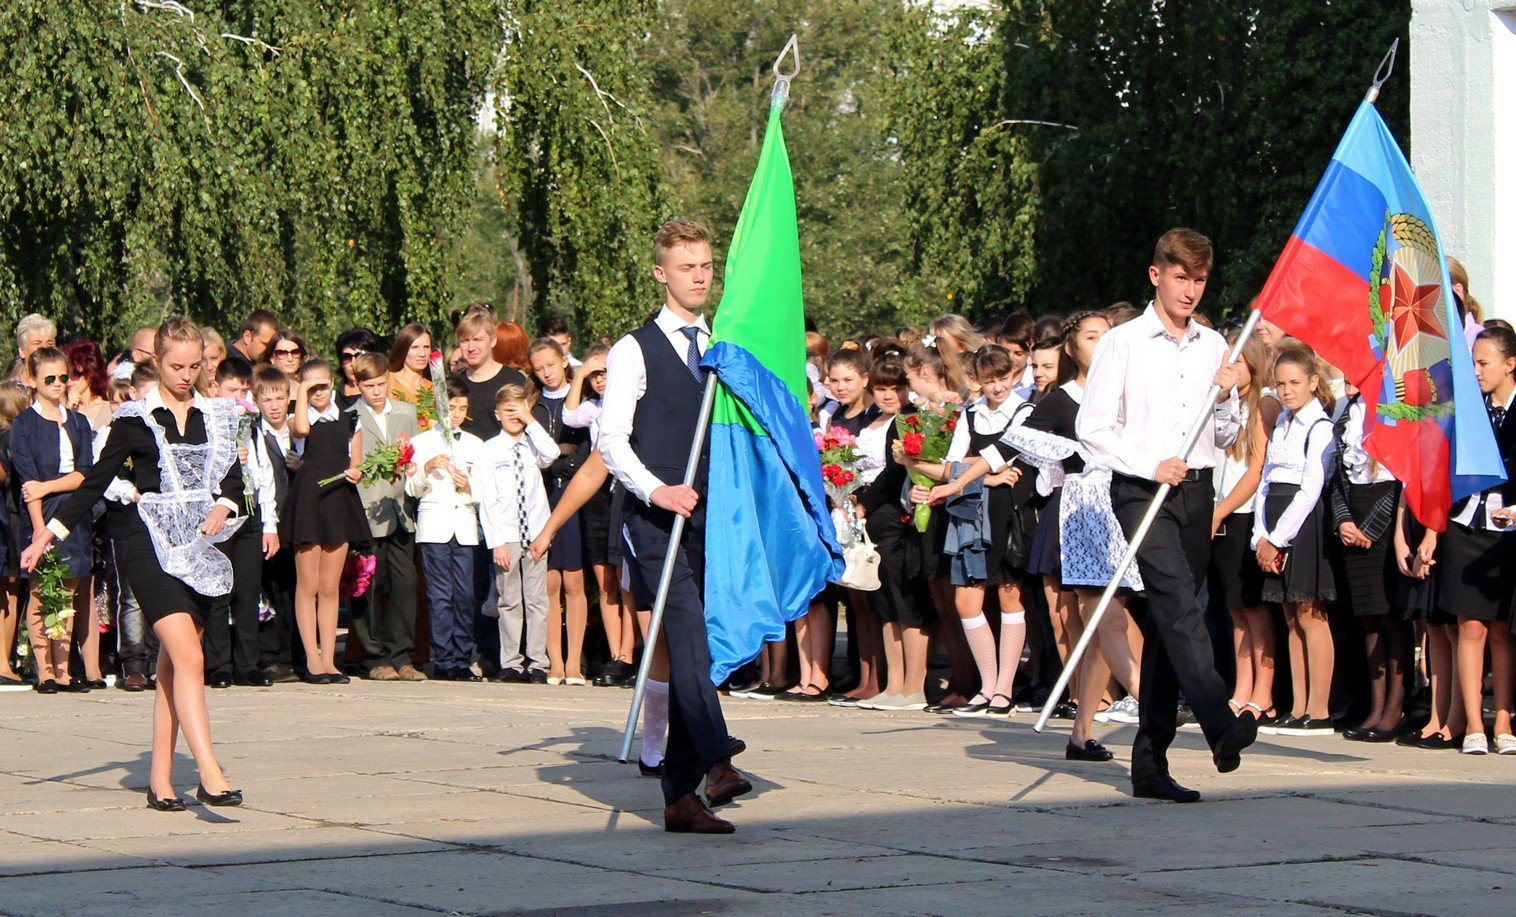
(664, 425)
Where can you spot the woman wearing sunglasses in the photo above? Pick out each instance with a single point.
(285, 353)
(51, 451)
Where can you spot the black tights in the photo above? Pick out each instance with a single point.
(1388, 643)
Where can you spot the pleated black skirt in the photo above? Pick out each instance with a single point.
(1307, 573)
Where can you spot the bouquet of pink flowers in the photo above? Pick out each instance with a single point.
(387, 463)
(356, 573)
(839, 462)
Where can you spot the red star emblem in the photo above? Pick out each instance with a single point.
(1414, 306)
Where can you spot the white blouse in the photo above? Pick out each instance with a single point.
(1295, 456)
(871, 454)
(1361, 467)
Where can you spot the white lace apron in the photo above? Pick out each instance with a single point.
(188, 477)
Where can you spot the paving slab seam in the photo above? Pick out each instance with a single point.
(1427, 861)
(1371, 804)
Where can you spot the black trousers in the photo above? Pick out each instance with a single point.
(232, 647)
(486, 627)
(1176, 654)
(276, 636)
(384, 617)
(697, 736)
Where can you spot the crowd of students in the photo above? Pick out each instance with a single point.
(1333, 609)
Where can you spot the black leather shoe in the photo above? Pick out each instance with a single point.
(318, 679)
(1375, 734)
(735, 746)
(465, 675)
(1163, 787)
(536, 677)
(650, 770)
(170, 804)
(338, 678)
(77, 686)
(510, 676)
(1228, 752)
(220, 680)
(253, 680)
(229, 798)
(46, 687)
(1435, 742)
(98, 684)
(1092, 751)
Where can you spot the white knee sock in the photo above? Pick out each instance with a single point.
(982, 644)
(1012, 639)
(655, 721)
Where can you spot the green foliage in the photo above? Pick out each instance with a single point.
(310, 158)
(55, 601)
(1218, 115)
(576, 160)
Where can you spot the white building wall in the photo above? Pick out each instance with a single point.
(1463, 136)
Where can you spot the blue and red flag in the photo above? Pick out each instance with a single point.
(1363, 280)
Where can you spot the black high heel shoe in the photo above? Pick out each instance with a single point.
(229, 798)
(170, 804)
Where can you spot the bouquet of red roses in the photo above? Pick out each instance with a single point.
(387, 463)
(839, 462)
(924, 437)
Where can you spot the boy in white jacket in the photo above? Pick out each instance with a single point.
(447, 532)
(513, 508)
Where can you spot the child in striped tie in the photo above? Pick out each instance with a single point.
(513, 507)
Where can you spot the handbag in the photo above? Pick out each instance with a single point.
(858, 553)
(862, 572)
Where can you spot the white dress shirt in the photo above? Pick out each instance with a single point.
(120, 490)
(1470, 504)
(1296, 456)
(497, 486)
(261, 469)
(625, 384)
(586, 415)
(1361, 467)
(1013, 411)
(381, 419)
(1144, 390)
(444, 512)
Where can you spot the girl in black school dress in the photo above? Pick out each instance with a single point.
(1477, 555)
(180, 451)
(321, 521)
(566, 561)
(847, 377)
(581, 410)
(980, 563)
(1289, 537)
(52, 449)
(1363, 497)
(902, 602)
(1415, 552)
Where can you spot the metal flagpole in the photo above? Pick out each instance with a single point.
(1381, 74)
(667, 576)
(1141, 534)
(702, 426)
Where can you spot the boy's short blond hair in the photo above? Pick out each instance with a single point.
(512, 393)
(268, 380)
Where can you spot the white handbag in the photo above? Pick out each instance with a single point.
(862, 570)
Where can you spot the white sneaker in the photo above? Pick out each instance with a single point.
(878, 701)
(1123, 711)
(1505, 744)
(1476, 744)
(896, 702)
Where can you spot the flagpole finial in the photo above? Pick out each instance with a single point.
(782, 79)
(1386, 67)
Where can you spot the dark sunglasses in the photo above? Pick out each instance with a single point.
(347, 357)
(295, 352)
(62, 377)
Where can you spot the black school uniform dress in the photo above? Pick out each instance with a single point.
(1055, 414)
(1477, 559)
(332, 514)
(133, 452)
(567, 550)
(1366, 495)
(1307, 573)
(903, 596)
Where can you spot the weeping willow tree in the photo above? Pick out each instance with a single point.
(313, 159)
